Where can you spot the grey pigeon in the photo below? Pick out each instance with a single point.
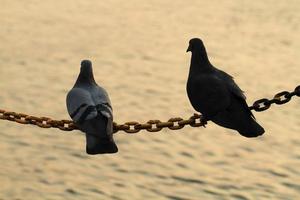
(216, 96)
(89, 107)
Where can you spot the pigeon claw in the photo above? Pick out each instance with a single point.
(203, 121)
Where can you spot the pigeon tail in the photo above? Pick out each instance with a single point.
(96, 145)
(252, 130)
(238, 117)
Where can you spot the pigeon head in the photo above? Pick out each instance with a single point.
(199, 55)
(196, 45)
(86, 72)
(86, 68)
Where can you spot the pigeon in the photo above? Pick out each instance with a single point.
(216, 96)
(90, 108)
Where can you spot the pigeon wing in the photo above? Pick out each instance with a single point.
(104, 107)
(102, 102)
(80, 105)
(231, 85)
(235, 91)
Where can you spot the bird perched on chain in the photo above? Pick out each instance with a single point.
(90, 108)
(216, 96)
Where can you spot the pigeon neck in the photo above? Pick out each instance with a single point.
(85, 78)
(200, 61)
(200, 58)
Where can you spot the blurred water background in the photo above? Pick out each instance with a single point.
(138, 53)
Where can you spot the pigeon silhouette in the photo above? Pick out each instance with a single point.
(89, 107)
(216, 96)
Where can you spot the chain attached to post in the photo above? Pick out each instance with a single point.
(150, 126)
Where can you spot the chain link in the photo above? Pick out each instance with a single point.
(152, 125)
(279, 99)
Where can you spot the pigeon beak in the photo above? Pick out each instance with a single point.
(189, 48)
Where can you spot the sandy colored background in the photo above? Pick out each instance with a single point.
(138, 52)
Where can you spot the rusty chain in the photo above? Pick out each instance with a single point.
(150, 126)
(279, 99)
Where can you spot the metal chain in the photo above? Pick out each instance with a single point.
(151, 126)
(279, 99)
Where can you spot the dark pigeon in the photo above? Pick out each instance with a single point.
(216, 96)
(89, 106)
